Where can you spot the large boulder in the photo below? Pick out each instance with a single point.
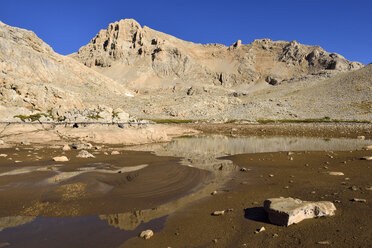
(287, 211)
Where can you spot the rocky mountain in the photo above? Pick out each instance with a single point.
(131, 69)
(140, 56)
(35, 81)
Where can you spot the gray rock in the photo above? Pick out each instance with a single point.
(85, 154)
(287, 211)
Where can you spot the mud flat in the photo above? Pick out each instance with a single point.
(305, 177)
(108, 200)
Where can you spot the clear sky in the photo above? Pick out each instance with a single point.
(344, 27)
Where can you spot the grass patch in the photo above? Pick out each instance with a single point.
(34, 117)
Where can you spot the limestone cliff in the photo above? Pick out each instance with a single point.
(33, 78)
(140, 56)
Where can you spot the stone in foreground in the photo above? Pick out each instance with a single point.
(287, 211)
(60, 159)
(85, 154)
(147, 234)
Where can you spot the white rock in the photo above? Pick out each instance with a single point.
(336, 173)
(359, 200)
(361, 137)
(3, 155)
(60, 159)
(286, 211)
(1, 142)
(66, 148)
(147, 234)
(366, 158)
(218, 213)
(262, 229)
(84, 154)
(115, 153)
(368, 147)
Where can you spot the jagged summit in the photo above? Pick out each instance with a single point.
(139, 55)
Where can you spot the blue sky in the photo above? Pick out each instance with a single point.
(343, 27)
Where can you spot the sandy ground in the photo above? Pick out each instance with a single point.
(306, 177)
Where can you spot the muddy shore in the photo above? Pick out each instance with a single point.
(304, 177)
(159, 184)
(325, 130)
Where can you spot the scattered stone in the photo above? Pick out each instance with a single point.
(286, 187)
(359, 200)
(291, 158)
(326, 242)
(243, 169)
(218, 213)
(313, 192)
(337, 201)
(262, 229)
(115, 153)
(336, 173)
(271, 175)
(66, 147)
(275, 235)
(215, 241)
(60, 159)
(81, 146)
(3, 155)
(368, 147)
(1, 142)
(147, 234)
(354, 188)
(84, 154)
(361, 137)
(366, 158)
(290, 153)
(214, 192)
(287, 211)
(25, 142)
(369, 188)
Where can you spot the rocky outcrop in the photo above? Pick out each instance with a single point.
(287, 211)
(34, 80)
(139, 55)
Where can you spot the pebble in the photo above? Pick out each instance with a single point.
(326, 242)
(66, 148)
(60, 159)
(214, 192)
(115, 153)
(336, 173)
(147, 234)
(3, 155)
(218, 213)
(359, 200)
(368, 158)
(243, 169)
(361, 137)
(353, 188)
(275, 235)
(262, 229)
(271, 175)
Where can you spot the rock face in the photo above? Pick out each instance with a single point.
(287, 211)
(34, 80)
(128, 52)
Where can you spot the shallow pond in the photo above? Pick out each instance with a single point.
(111, 230)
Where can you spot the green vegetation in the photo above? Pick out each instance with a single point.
(94, 115)
(34, 117)
(169, 121)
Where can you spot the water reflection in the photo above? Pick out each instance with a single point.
(83, 231)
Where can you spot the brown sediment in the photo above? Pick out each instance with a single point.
(93, 193)
(325, 130)
(305, 177)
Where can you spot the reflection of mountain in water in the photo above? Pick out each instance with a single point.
(13, 221)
